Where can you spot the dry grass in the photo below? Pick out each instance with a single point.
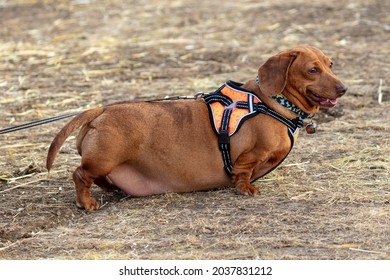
(329, 200)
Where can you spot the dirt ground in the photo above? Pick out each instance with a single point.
(329, 200)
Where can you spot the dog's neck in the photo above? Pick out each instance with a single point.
(286, 103)
(282, 100)
(268, 100)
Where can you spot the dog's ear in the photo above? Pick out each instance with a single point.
(273, 73)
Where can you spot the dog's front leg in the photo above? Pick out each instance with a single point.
(241, 176)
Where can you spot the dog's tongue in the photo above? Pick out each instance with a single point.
(328, 102)
(323, 101)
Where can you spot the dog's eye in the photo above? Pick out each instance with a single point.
(313, 70)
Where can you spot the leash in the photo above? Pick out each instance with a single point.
(178, 97)
(57, 118)
(35, 123)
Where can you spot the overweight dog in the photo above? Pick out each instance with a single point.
(230, 137)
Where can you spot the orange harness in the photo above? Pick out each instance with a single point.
(237, 114)
(229, 107)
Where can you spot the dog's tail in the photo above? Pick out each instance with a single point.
(75, 123)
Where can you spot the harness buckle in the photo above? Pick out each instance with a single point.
(223, 138)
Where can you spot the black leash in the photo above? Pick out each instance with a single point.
(53, 119)
(35, 123)
(178, 97)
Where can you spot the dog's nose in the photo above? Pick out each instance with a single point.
(341, 89)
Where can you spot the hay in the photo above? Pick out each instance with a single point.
(329, 200)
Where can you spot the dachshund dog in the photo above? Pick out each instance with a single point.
(146, 148)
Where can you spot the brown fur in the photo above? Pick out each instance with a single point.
(147, 148)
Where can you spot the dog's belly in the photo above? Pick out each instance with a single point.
(136, 183)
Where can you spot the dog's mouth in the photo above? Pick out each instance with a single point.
(322, 101)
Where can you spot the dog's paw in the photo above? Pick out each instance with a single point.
(247, 189)
(89, 205)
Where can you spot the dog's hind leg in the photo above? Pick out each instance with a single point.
(106, 185)
(83, 183)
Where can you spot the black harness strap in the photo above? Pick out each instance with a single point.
(224, 139)
(217, 96)
(291, 124)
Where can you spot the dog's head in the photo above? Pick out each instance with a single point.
(304, 75)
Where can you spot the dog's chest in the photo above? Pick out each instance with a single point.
(229, 107)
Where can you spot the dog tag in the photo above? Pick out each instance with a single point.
(311, 128)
